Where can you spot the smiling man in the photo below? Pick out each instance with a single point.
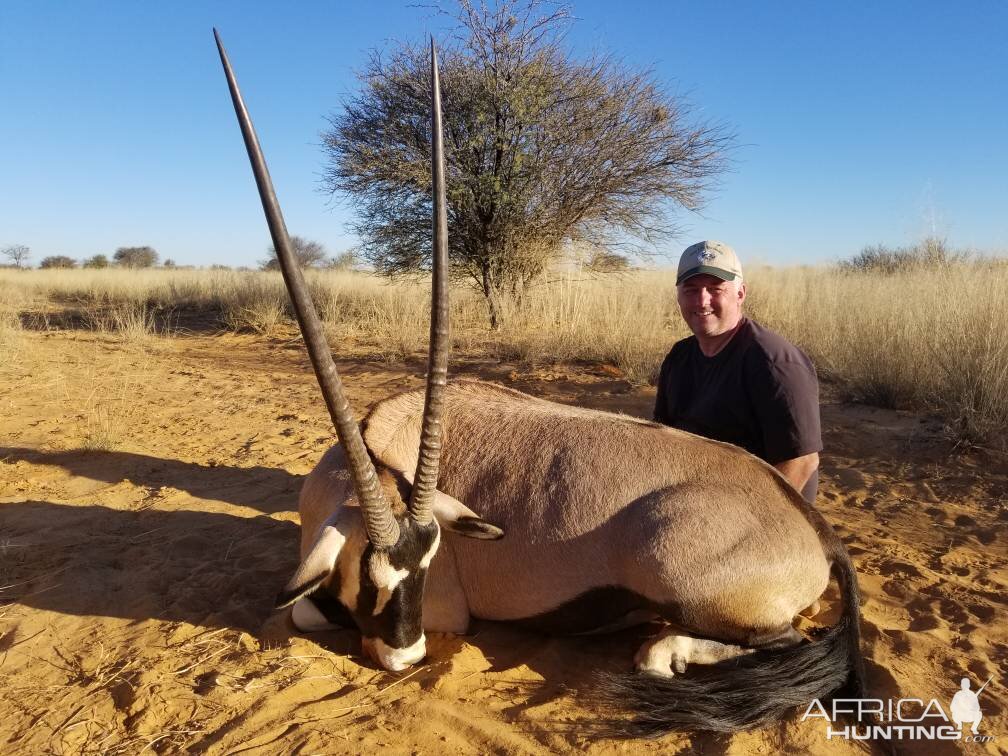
(733, 380)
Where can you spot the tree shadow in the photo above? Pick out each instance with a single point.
(267, 489)
(204, 568)
(73, 316)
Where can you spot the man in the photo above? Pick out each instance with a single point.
(734, 380)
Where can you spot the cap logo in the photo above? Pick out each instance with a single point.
(705, 255)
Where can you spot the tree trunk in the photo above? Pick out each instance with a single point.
(490, 295)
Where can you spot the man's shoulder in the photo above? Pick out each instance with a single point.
(771, 348)
(682, 349)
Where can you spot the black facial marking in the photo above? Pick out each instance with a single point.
(284, 598)
(400, 621)
(331, 608)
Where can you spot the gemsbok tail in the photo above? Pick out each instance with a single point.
(751, 691)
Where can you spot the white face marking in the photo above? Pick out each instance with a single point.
(383, 574)
(308, 619)
(395, 659)
(384, 570)
(425, 562)
(319, 561)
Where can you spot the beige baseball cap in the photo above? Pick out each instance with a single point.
(711, 257)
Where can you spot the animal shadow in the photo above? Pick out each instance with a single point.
(203, 568)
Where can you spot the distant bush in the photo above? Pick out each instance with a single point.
(98, 261)
(930, 253)
(136, 257)
(343, 261)
(308, 253)
(58, 261)
(603, 261)
(169, 263)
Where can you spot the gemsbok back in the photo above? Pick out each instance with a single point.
(599, 521)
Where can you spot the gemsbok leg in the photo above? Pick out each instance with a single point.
(671, 651)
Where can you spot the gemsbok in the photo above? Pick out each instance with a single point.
(473, 500)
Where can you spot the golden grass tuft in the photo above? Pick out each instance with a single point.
(101, 429)
(255, 304)
(107, 416)
(134, 321)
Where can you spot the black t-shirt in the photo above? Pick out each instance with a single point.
(760, 392)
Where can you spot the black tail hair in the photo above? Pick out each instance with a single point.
(751, 691)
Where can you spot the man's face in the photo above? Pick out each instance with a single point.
(709, 305)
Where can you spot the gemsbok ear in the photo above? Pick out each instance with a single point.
(455, 516)
(316, 566)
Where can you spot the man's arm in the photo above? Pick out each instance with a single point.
(786, 401)
(799, 470)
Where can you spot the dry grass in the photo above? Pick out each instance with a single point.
(107, 417)
(256, 304)
(134, 321)
(12, 302)
(629, 322)
(925, 338)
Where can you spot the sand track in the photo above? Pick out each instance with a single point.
(136, 581)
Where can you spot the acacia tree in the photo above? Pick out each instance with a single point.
(58, 261)
(98, 261)
(308, 253)
(18, 254)
(541, 148)
(136, 257)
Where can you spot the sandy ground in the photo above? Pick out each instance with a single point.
(136, 582)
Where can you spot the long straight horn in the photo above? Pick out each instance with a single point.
(382, 528)
(425, 480)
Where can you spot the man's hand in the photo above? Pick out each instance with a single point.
(799, 470)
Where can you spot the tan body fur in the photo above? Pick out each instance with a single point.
(590, 499)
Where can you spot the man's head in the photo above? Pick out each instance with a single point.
(709, 288)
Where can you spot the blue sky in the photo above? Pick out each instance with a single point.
(856, 124)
